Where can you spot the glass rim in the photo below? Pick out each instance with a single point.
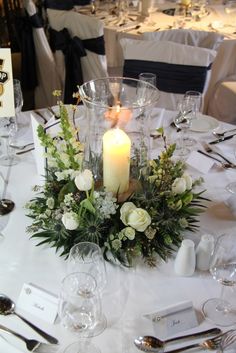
(113, 79)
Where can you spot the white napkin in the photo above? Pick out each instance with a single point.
(200, 162)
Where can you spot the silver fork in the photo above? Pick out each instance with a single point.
(228, 339)
(31, 344)
(208, 149)
(224, 165)
(210, 344)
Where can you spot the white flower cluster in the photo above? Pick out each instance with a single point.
(105, 203)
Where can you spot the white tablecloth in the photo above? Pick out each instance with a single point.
(130, 292)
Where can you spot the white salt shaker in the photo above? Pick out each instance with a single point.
(204, 251)
(185, 261)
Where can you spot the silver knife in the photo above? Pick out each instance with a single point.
(222, 139)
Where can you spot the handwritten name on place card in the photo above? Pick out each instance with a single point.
(38, 302)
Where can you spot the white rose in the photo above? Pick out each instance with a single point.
(84, 180)
(125, 210)
(179, 186)
(69, 219)
(139, 219)
(189, 181)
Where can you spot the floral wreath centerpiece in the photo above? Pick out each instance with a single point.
(147, 219)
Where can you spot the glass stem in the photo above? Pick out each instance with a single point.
(5, 145)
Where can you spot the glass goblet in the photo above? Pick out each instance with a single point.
(80, 305)
(18, 98)
(87, 257)
(223, 270)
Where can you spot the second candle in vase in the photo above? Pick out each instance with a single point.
(116, 160)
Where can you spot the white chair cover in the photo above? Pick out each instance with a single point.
(47, 74)
(172, 53)
(218, 104)
(203, 39)
(84, 27)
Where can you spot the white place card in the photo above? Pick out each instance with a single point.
(200, 162)
(173, 319)
(7, 106)
(38, 302)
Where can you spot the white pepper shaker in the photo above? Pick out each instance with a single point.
(185, 261)
(204, 251)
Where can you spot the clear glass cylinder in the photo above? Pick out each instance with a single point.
(116, 104)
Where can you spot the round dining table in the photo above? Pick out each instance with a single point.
(131, 293)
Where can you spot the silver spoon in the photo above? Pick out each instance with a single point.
(7, 307)
(153, 344)
(221, 134)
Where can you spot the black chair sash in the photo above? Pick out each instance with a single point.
(28, 57)
(73, 50)
(171, 78)
(64, 4)
(36, 21)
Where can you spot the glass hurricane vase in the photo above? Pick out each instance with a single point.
(114, 130)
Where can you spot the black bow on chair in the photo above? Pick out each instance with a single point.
(24, 26)
(73, 50)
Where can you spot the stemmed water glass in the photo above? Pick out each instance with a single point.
(223, 270)
(80, 305)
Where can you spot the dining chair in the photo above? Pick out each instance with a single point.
(46, 70)
(78, 43)
(196, 38)
(221, 93)
(178, 67)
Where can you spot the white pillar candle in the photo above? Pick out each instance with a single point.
(116, 160)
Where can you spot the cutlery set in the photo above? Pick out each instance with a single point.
(219, 342)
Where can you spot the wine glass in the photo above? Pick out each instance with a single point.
(80, 306)
(87, 257)
(223, 270)
(194, 102)
(83, 346)
(182, 121)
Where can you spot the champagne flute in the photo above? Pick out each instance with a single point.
(144, 117)
(194, 101)
(8, 129)
(182, 122)
(223, 270)
(18, 97)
